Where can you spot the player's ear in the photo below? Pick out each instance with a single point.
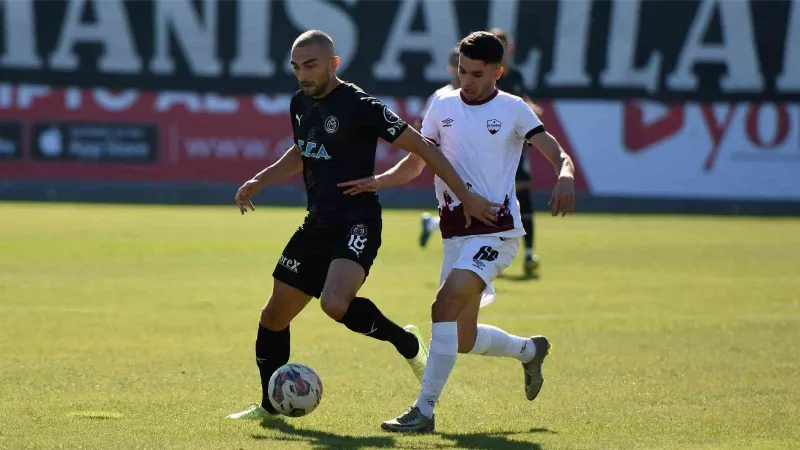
(335, 62)
(499, 73)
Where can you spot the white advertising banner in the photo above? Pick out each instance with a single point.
(744, 151)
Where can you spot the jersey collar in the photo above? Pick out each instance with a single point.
(479, 102)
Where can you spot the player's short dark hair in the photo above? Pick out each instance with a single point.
(315, 37)
(501, 34)
(453, 59)
(483, 46)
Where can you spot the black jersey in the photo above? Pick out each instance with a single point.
(512, 82)
(338, 137)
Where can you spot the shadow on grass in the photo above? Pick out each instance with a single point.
(518, 277)
(324, 440)
(321, 439)
(492, 440)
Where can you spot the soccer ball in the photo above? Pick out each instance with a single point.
(295, 390)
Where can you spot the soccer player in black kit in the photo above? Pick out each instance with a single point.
(336, 129)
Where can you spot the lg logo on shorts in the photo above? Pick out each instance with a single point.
(485, 253)
(358, 239)
(290, 264)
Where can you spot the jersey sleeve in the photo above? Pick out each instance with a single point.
(430, 123)
(378, 118)
(294, 116)
(527, 124)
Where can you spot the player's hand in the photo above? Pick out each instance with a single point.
(245, 194)
(369, 184)
(479, 208)
(563, 199)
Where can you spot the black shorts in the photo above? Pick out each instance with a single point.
(306, 258)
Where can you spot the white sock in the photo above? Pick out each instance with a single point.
(528, 253)
(441, 360)
(433, 223)
(492, 341)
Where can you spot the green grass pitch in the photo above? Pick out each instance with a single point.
(134, 327)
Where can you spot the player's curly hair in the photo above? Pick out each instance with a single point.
(483, 46)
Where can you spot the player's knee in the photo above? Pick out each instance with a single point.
(334, 305)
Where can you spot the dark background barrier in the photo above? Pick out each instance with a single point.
(670, 106)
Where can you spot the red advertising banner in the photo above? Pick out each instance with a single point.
(128, 135)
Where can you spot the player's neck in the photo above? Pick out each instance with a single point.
(335, 82)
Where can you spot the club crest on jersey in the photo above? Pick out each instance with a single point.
(493, 125)
(389, 115)
(331, 124)
(359, 230)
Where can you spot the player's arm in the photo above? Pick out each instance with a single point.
(290, 164)
(563, 199)
(403, 172)
(474, 205)
(549, 147)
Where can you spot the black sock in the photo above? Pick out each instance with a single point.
(526, 210)
(364, 317)
(272, 351)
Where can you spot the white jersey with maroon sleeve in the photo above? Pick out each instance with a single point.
(483, 141)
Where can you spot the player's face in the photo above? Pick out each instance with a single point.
(477, 78)
(313, 67)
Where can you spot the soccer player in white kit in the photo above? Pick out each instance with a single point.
(480, 130)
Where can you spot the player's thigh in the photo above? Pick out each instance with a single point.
(283, 306)
(487, 257)
(303, 264)
(359, 242)
(354, 253)
(459, 289)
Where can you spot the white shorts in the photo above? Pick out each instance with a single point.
(486, 256)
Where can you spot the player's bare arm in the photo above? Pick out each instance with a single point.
(290, 164)
(474, 205)
(563, 199)
(403, 172)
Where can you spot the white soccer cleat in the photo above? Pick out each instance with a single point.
(418, 362)
(255, 412)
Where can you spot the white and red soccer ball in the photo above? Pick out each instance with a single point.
(295, 390)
